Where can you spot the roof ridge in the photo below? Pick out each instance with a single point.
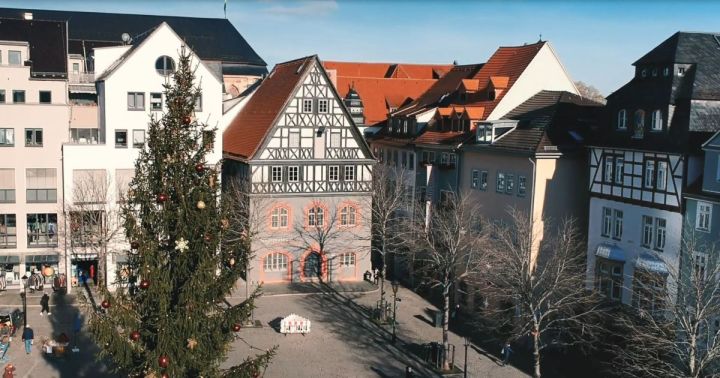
(294, 60)
(32, 10)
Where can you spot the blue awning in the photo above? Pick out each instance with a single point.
(651, 263)
(610, 252)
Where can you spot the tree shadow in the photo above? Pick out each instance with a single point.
(340, 315)
(275, 324)
(423, 318)
(79, 357)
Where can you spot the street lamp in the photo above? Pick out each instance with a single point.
(395, 287)
(467, 344)
(25, 281)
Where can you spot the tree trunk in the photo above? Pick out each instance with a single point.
(446, 317)
(536, 352)
(691, 368)
(383, 314)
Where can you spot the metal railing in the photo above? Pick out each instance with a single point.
(81, 78)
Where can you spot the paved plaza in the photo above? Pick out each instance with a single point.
(342, 342)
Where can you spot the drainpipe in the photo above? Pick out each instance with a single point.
(68, 275)
(532, 205)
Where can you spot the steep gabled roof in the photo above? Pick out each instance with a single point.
(47, 41)
(387, 70)
(245, 133)
(210, 38)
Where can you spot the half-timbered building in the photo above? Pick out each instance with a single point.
(648, 155)
(308, 174)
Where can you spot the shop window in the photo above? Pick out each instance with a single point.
(8, 231)
(42, 230)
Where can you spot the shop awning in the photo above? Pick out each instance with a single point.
(9, 259)
(42, 259)
(651, 263)
(610, 252)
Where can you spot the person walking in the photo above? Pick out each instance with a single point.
(505, 352)
(9, 371)
(28, 335)
(45, 304)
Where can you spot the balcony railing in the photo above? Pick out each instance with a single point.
(81, 78)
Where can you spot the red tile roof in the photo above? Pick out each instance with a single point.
(246, 132)
(501, 71)
(379, 94)
(388, 70)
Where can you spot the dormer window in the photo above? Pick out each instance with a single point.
(484, 133)
(654, 72)
(657, 121)
(491, 95)
(681, 71)
(622, 120)
(666, 71)
(639, 129)
(643, 73)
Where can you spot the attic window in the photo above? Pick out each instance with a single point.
(491, 95)
(681, 71)
(666, 71)
(654, 72)
(165, 65)
(643, 73)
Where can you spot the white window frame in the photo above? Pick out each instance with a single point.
(660, 234)
(348, 216)
(609, 164)
(522, 185)
(323, 106)
(279, 218)
(120, 144)
(475, 179)
(306, 105)
(619, 170)
(500, 182)
(156, 103)
(662, 175)
(135, 96)
(293, 173)
(622, 119)
(657, 121)
(648, 231)
(275, 262)
(607, 222)
(617, 224)
(15, 53)
(334, 173)
(135, 143)
(7, 137)
(316, 216)
(347, 259)
(649, 174)
(703, 216)
(700, 260)
(349, 174)
(276, 173)
(509, 183)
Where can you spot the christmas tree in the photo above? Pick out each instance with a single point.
(187, 252)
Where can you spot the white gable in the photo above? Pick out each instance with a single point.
(545, 72)
(314, 125)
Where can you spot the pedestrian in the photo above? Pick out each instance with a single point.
(77, 327)
(28, 335)
(45, 304)
(9, 371)
(505, 352)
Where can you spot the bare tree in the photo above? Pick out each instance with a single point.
(673, 329)
(329, 227)
(590, 92)
(390, 206)
(537, 288)
(448, 246)
(95, 224)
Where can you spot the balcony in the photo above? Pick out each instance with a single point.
(81, 82)
(84, 124)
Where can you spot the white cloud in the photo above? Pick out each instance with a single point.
(303, 8)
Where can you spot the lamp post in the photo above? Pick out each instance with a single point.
(395, 287)
(25, 281)
(467, 344)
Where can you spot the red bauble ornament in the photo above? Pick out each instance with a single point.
(164, 375)
(105, 304)
(162, 197)
(187, 120)
(144, 284)
(163, 361)
(134, 245)
(208, 237)
(199, 168)
(135, 336)
(236, 327)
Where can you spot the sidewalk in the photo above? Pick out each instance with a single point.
(302, 288)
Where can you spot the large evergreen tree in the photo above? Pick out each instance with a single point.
(173, 319)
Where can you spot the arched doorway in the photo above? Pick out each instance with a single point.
(312, 266)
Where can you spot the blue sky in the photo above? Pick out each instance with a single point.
(597, 41)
